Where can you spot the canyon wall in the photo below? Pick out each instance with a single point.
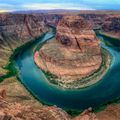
(111, 25)
(21, 26)
(108, 22)
(15, 30)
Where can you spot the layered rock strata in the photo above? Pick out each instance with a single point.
(16, 30)
(21, 26)
(75, 32)
(111, 25)
(17, 111)
(74, 54)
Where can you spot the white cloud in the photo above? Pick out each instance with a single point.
(43, 6)
(47, 6)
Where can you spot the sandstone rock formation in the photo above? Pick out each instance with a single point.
(18, 104)
(75, 53)
(21, 26)
(11, 110)
(111, 25)
(74, 31)
(16, 30)
(108, 21)
(111, 112)
(21, 109)
(16, 111)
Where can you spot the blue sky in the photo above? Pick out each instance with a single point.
(13, 5)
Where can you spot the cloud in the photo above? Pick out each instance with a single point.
(18, 5)
(43, 6)
(46, 6)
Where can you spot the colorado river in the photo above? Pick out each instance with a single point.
(33, 78)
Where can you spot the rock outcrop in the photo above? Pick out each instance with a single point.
(16, 30)
(18, 104)
(75, 32)
(111, 25)
(16, 111)
(21, 26)
(74, 54)
(108, 21)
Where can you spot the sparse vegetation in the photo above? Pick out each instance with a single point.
(86, 81)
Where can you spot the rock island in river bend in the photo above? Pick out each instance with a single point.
(74, 59)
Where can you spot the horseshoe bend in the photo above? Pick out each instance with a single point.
(60, 66)
(74, 58)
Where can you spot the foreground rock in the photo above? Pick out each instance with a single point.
(112, 112)
(16, 111)
(74, 54)
(16, 103)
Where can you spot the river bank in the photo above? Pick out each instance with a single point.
(16, 92)
(107, 35)
(83, 82)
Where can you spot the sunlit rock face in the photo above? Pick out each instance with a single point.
(21, 26)
(111, 25)
(74, 53)
(75, 32)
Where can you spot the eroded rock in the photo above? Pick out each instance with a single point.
(75, 53)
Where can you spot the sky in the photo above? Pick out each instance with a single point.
(19, 5)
